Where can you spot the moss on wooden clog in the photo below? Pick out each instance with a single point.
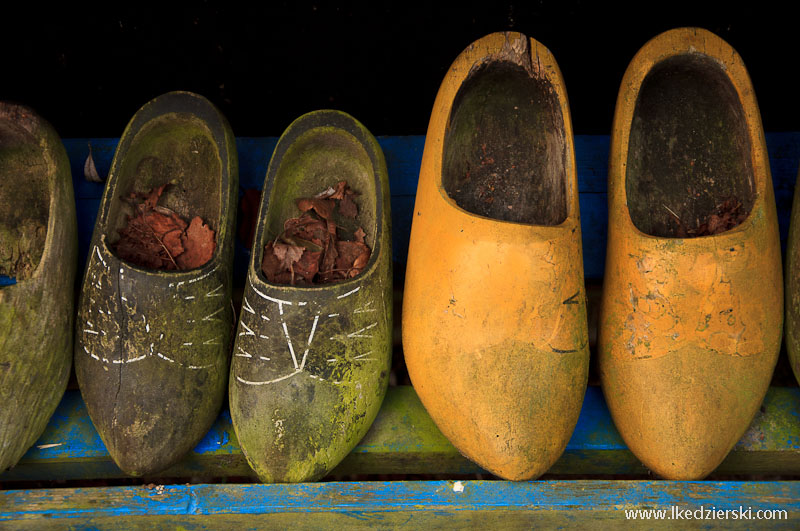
(38, 247)
(151, 353)
(311, 364)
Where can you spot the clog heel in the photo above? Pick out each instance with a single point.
(311, 363)
(152, 346)
(494, 311)
(38, 249)
(692, 304)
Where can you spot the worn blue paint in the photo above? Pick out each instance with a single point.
(403, 159)
(360, 499)
(7, 281)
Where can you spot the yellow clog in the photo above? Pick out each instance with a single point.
(494, 313)
(692, 303)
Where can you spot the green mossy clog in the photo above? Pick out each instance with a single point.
(38, 246)
(152, 346)
(311, 364)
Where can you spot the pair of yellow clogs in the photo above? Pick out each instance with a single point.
(494, 316)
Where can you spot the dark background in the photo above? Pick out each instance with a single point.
(88, 70)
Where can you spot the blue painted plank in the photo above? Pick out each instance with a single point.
(7, 281)
(450, 503)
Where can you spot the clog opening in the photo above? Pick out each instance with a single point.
(174, 148)
(689, 171)
(24, 201)
(504, 149)
(317, 159)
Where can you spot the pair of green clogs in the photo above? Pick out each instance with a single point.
(152, 352)
(494, 316)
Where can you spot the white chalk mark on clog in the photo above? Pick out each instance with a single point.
(163, 357)
(190, 297)
(262, 336)
(264, 317)
(248, 382)
(214, 292)
(210, 317)
(143, 356)
(246, 306)
(189, 344)
(263, 358)
(313, 329)
(348, 293)
(333, 315)
(248, 331)
(244, 353)
(212, 341)
(365, 309)
(291, 348)
(91, 332)
(202, 276)
(100, 256)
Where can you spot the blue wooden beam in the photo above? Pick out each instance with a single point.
(429, 504)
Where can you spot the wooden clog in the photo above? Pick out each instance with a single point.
(494, 312)
(793, 285)
(691, 318)
(311, 364)
(38, 247)
(151, 349)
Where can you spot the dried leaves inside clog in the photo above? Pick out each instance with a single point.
(158, 238)
(309, 251)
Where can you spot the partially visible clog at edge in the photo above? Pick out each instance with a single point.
(793, 286)
(494, 313)
(311, 363)
(152, 346)
(38, 249)
(692, 307)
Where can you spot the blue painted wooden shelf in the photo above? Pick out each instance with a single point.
(403, 439)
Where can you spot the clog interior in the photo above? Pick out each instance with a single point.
(316, 160)
(171, 148)
(689, 148)
(24, 200)
(505, 149)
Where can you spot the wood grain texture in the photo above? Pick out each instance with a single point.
(415, 504)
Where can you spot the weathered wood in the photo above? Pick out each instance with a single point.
(404, 440)
(430, 504)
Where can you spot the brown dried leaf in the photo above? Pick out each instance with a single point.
(351, 253)
(152, 197)
(347, 207)
(341, 187)
(89, 169)
(323, 207)
(271, 266)
(308, 265)
(287, 254)
(359, 235)
(199, 245)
